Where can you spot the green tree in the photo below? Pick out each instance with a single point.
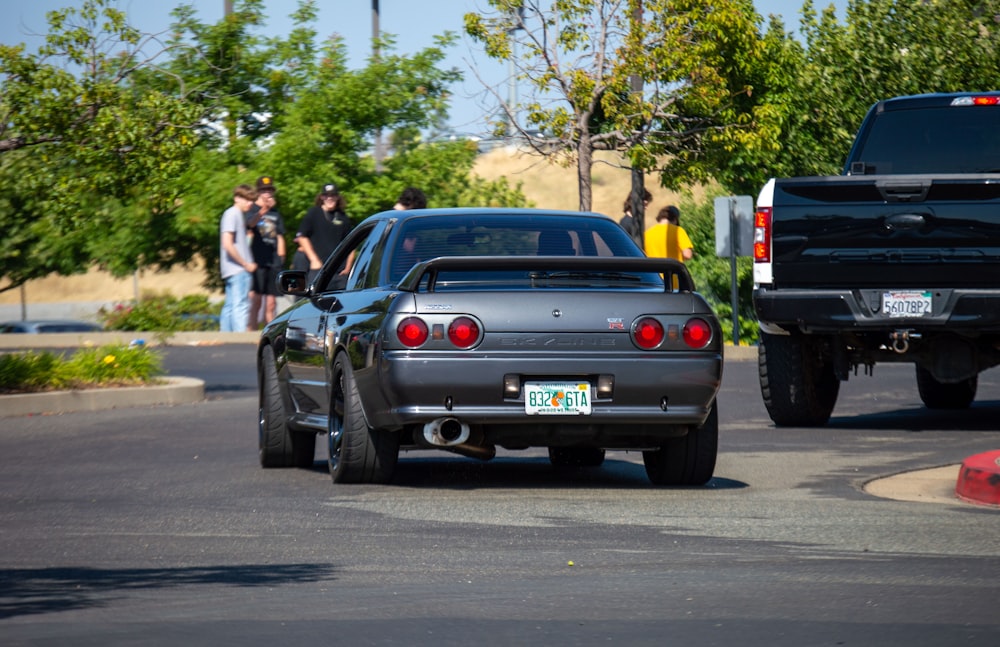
(320, 136)
(822, 86)
(78, 140)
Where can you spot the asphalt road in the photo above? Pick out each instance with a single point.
(156, 527)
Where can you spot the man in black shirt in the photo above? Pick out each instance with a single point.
(267, 244)
(324, 226)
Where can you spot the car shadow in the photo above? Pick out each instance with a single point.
(438, 470)
(31, 591)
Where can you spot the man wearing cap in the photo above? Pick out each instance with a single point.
(267, 244)
(324, 226)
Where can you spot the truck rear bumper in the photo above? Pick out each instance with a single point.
(832, 311)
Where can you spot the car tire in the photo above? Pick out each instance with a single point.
(799, 388)
(278, 446)
(945, 395)
(357, 453)
(687, 459)
(576, 456)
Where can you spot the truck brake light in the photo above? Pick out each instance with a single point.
(762, 235)
(976, 101)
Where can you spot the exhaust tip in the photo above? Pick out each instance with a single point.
(445, 432)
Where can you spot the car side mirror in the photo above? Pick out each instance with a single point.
(294, 283)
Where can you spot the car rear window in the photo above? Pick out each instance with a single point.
(420, 239)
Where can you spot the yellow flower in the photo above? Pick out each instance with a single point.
(108, 359)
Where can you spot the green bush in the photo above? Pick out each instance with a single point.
(29, 371)
(111, 365)
(162, 313)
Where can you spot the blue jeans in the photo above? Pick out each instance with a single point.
(236, 308)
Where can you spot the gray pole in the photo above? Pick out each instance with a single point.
(510, 116)
(733, 232)
(638, 179)
(379, 152)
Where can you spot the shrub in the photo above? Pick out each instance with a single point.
(163, 313)
(29, 371)
(111, 365)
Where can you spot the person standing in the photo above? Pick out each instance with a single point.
(631, 224)
(235, 262)
(411, 198)
(323, 227)
(267, 245)
(667, 239)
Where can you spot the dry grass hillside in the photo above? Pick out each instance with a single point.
(545, 184)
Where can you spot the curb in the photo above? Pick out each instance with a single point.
(176, 390)
(739, 353)
(979, 479)
(89, 339)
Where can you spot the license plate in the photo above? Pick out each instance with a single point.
(906, 304)
(557, 398)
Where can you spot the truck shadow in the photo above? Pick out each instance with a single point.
(981, 416)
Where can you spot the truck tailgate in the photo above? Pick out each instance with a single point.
(906, 231)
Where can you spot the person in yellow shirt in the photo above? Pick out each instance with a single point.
(667, 239)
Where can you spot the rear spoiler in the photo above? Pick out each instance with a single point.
(674, 272)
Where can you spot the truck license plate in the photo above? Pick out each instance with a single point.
(557, 398)
(906, 304)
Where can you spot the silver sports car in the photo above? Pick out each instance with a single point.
(469, 329)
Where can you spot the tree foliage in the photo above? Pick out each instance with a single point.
(123, 148)
(78, 140)
(823, 86)
(665, 81)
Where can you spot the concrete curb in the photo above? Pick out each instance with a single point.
(740, 353)
(175, 390)
(89, 339)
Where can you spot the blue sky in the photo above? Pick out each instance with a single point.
(413, 22)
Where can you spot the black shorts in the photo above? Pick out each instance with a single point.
(265, 280)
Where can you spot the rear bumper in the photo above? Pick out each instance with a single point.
(657, 389)
(832, 311)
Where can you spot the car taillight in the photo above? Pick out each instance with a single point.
(648, 333)
(762, 235)
(463, 332)
(697, 333)
(412, 332)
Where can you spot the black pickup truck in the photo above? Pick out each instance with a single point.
(896, 260)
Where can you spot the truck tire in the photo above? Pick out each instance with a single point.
(945, 395)
(357, 452)
(799, 388)
(688, 459)
(278, 446)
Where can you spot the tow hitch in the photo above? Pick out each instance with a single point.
(901, 340)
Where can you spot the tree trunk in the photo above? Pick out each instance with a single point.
(584, 166)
